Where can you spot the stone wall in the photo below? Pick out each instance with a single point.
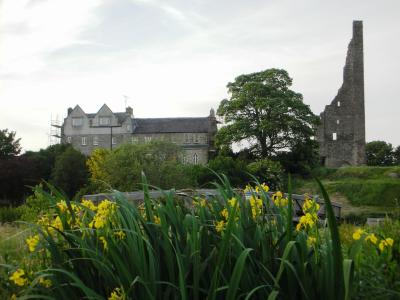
(341, 135)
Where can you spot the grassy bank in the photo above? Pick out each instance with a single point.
(363, 191)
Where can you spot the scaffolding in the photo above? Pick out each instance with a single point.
(55, 131)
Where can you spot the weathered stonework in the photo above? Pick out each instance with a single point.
(341, 135)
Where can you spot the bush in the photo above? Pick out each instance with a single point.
(269, 171)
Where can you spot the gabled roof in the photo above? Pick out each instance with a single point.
(170, 125)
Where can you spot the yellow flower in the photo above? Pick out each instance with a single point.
(372, 238)
(225, 213)
(389, 241)
(89, 204)
(200, 202)
(120, 235)
(262, 187)
(357, 234)
(45, 282)
(104, 241)
(232, 201)
(157, 220)
(248, 188)
(117, 294)
(220, 226)
(57, 224)
(17, 277)
(13, 297)
(311, 241)
(32, 242)
(62, 205)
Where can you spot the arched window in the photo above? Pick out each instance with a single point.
(195, 159)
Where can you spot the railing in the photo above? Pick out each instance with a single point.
(188, 195)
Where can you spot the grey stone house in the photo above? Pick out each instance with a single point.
(106, 129)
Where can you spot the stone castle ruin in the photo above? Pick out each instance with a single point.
(341, 134)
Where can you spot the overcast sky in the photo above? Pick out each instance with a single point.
(174, 58)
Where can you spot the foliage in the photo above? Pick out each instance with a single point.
(70, 172)
(17, 174)
(375, 252)
(396, 155)
(224, 247)
(121, 168)
(234, 169)
(266, 170)
(264, 112)
(9, 145)
(45, 160)
(302, 158)
(379, 153)
(35, 205)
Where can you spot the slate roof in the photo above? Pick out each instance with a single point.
(169, 125)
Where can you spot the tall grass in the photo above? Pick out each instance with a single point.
(171, 250)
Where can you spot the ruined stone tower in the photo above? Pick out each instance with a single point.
(341, 135)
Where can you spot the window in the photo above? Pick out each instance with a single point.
(84, 141)
(334, 136)
(134, 140)
(128, 128)
(104, 121)
(338, 103)
(114, 140)
(69, 139)
(195, 159)
(147, 139)
(77, 122)
(337, 122)
(95, 141)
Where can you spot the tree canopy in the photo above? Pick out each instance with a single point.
(9, 145)
(379, 153)
(263, 111)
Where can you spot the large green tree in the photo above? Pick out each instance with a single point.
(70, 172)
(263, 111)
(379, 153)
(9, 145)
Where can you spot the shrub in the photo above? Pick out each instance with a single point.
(266, 170)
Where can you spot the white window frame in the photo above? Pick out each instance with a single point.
(114, 140)
(104, 121)
(77, 122)
(334, 136)
(338, 103)
(147, 139)
(95, 141)
(134, 140)
(84, 141)
(195, 159)
(128, 128)
(337, 121)
(69, 139)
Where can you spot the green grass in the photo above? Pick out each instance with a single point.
(363, 191)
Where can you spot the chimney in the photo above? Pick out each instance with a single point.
(69, 110)
(129, 111)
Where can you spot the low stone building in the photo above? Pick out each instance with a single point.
(341, 135)
(106, 129)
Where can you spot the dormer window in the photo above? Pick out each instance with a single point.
(104, 121)
(77, 122)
